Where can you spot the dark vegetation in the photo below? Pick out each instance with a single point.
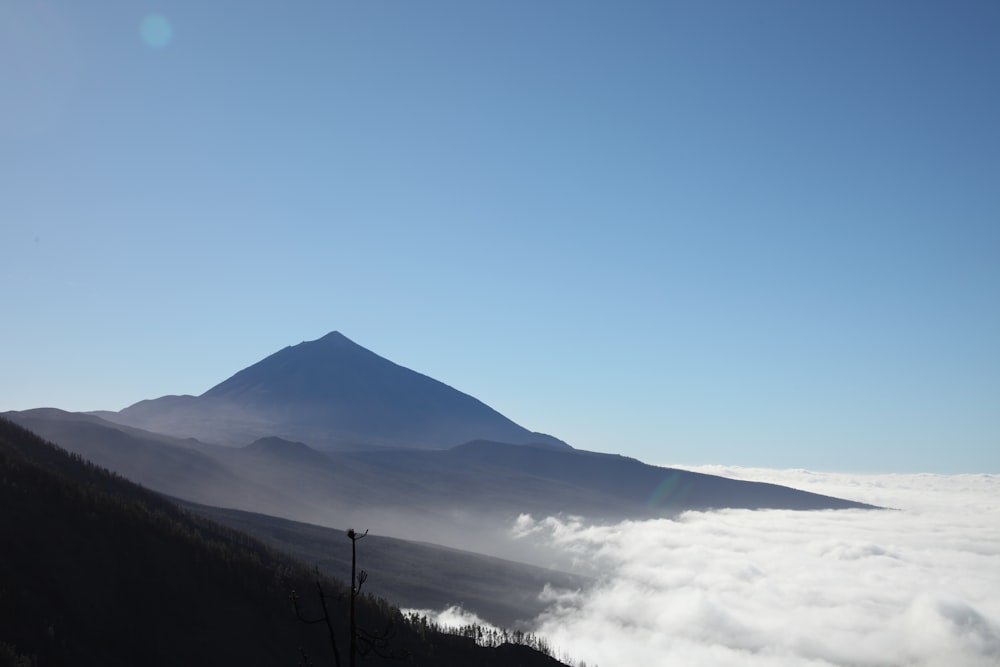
(95, 570)
(487, 635)
(411, 574)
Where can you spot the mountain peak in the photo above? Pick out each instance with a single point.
(331, 341)
(334, 337)
(332, 392)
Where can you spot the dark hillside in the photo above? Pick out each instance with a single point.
(95, 570)
(412, 574)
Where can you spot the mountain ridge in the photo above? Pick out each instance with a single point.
(465, 497)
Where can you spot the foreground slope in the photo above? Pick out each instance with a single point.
(329, 393)
(413, 574)
(98, 571)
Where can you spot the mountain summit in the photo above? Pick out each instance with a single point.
(330, 393)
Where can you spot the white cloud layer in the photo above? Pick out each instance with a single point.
(915, 586)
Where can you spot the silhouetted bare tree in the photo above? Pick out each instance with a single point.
(325, 618)
(361, 642)
(357, 581)
(364, 642)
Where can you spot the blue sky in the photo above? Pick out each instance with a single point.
(739, 233)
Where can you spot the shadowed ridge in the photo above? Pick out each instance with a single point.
(286, 451)
(482, 444)
(183, 468)
(657, 489)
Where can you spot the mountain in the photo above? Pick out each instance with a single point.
(329, 393)
(466, 497)
(96, 570)
(325, 433)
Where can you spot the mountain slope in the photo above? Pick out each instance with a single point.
(98, 571)
(181, 468)
(412, 574)
(329, 393)
(466, 497)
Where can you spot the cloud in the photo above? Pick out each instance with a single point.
(915, 586)
(452, 617)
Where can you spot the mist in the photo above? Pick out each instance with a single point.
(917, 585)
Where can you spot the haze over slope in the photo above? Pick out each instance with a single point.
(104, 572)
(466, 497)
(329, 393)
(309, 430)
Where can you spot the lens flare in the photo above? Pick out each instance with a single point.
(665, 492)
(156, 31)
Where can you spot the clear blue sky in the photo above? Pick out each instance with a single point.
(759, 233)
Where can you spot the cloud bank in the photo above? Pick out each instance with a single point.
(919, 585)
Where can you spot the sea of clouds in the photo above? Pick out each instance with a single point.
(918, 585)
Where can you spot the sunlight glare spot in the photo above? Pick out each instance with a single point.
(156, 31)
(665, 491)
